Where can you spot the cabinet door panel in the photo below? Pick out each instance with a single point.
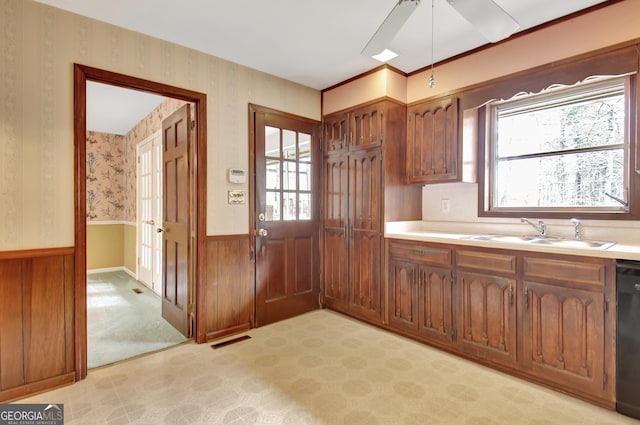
(365, 269)
(435, 303)
(365, 190)
(403, 295)
(335, 267)
(564, 336)
(365, 208)
(487, 327)
(336, 132)
(432, 141)
(365, 125)
(334, 245)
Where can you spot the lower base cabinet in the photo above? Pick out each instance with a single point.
(567, 326)
(544, 317)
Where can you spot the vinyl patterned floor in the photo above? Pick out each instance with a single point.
(318, 368)
(124, 319)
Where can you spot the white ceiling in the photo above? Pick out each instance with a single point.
(117, 110)
(316, 43)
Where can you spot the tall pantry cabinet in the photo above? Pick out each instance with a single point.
(363, 186)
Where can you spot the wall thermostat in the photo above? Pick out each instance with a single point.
(237, 175)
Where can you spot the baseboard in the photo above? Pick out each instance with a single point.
(113, 269)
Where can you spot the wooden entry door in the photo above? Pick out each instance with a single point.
(287, 172)
(176, 254)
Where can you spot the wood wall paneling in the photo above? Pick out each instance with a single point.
(11, 342)
(37, 314)
(229, 290)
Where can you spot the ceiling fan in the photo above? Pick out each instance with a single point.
(485, 15)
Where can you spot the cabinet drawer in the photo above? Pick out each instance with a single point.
(487, 261)
(420, 253)
(577, 272)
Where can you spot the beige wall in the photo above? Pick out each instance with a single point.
(105, 244)
(129, 247)
(39, 45)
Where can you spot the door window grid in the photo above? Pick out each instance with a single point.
(288, 175)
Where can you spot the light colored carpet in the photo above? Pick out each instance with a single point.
(319, 368)
(122, 323)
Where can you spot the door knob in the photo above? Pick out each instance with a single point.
(262, 232)
(160, 229)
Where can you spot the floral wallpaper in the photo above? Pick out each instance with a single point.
(111, 167)
(145, 128)
(105, 177)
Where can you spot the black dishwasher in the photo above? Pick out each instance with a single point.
(628, 339)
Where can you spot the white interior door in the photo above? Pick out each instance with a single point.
(149, 211)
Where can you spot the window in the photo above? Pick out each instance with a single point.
(565, 150)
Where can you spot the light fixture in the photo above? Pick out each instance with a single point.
(432, 79)
(385, 55)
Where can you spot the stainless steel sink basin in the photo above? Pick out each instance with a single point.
(574, 243)
(502, 238)
(551, 241)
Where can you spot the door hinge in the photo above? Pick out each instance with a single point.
(606, 305)
(138, 260)
(193, 124)
(190, 308)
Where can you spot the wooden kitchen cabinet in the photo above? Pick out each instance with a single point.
(545, 317)
(420, 291)
(433, 142)
(366, 126)
(334, 231)
(363, 175)
(567, 327)
(335, 128)
(487, 284)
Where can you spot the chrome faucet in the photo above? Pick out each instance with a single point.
(541, 228)
(576, 228)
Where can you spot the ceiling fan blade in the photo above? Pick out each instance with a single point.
(489, 19)
(390, 26)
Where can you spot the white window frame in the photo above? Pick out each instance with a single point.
(552, 96)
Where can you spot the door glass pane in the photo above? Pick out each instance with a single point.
(304, 175)
(289, 180)
(289, 206)
(289, 144)
(304, 146)
(305, 206)
(272, 142)
(272, 208)
(273, 174)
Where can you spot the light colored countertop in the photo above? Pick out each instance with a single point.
(416, 231)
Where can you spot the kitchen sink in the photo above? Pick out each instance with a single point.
(550, 241)
(502, 238)
(573, 243)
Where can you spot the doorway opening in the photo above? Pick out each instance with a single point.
(125, 223)
(185, 217)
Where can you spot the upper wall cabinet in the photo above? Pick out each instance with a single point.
(359, 128)
(336, 132)
(433, 144)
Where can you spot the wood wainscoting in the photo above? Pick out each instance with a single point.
(36, 321)
(229, 289)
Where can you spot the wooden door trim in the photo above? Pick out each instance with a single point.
(82, 74)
